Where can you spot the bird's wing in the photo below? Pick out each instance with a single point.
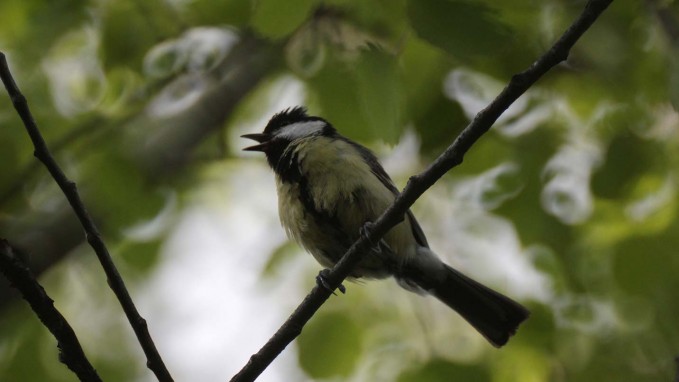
(377, 169)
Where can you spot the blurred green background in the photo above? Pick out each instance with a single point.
(569, 204)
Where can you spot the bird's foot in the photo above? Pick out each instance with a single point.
(322, 281)
(363, 231)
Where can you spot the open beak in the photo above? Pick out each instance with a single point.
(263, 140)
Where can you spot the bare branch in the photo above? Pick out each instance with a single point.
(154, 361)
(70, 351)
(246, 65)
(416, 186)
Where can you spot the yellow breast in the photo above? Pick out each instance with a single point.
(340, 184)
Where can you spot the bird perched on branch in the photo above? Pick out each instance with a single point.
(330, 187)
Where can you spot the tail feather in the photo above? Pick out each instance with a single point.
(495, 316)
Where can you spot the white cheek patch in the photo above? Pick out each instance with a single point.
(301, 129)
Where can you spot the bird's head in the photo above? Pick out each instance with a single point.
(283, 129)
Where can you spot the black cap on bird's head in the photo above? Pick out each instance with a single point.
(285, 128)
(288, 125)
(287, 117)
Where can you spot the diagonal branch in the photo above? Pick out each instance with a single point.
(154, 361)
(417, 185)
(70, 351)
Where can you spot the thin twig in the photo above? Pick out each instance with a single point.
(154, 361)
(70, 351)
(244, 68)
(416, 186)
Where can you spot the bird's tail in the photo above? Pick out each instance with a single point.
(495, 316)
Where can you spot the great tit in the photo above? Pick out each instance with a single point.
(329, 187)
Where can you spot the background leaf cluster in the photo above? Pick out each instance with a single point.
(140, 101)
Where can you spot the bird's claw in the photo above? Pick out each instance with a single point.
(363, 231)
(322, 281)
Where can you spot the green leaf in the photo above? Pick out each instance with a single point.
(646, 265)
(280, 255)
(232, 12)
(276, 19)
(424, 68)
(462, 28)
(330, 346)
(522, 364)
(142, 256)
(129, 29)
(32, 26)
(379, 94)
(442, 370)
(306, 52)
(114, 188)
(363, 99)
(628, 158)
(439, 124)
(334, 91)
(674, 78)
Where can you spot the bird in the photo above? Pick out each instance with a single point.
(330, 187)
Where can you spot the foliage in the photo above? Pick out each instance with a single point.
(568, 205)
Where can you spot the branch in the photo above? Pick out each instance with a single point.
(154, 361)
(159, 151)
(70, 351)
(416, 186)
